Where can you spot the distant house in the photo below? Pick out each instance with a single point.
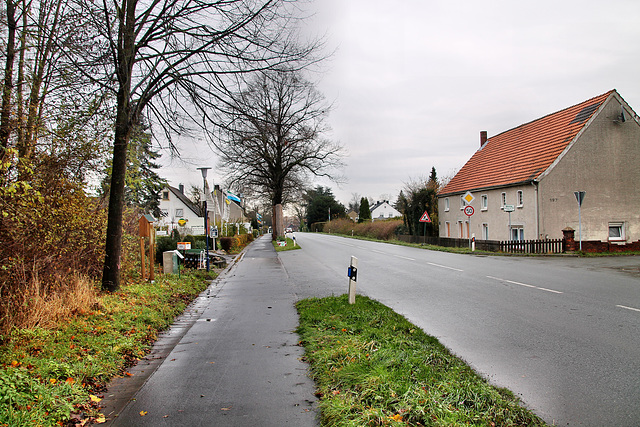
(353, 215)
(383, 210)
(178, 212)
(227, 207)
(534, 169)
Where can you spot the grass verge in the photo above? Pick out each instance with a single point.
(373, 368)
(51, 377)
(289, 246)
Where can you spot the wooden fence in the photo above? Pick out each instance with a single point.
(547, 246)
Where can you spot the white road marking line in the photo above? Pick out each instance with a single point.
(444, 266)
(628, 308)
(524, 284)
(404, 257)
(378, 252)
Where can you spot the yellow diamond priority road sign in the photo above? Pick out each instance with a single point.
(468, 197)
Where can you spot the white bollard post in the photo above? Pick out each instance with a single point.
(352, 272)
(473, 242)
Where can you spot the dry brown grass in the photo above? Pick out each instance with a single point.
(382, 230)
(45, 307)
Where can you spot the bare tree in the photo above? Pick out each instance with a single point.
(32, 102)
(169, 59)
(272, 138)
(354, 203)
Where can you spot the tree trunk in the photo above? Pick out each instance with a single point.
(278, 221)
(5, 116)
(125, 117)
(113, 243)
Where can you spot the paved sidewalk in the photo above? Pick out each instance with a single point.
(238, 364)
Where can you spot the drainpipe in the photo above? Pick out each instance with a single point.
(535, 188)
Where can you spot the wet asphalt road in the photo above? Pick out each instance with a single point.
(236, 361)
(561, 333)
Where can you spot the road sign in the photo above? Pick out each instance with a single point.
(468, 197)
(509, 208)
(579, 196)
(468, 210)
(425, 217)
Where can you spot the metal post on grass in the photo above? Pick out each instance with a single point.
(352, 272)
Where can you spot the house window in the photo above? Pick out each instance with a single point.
(520, 198)
(460, 229)
(485, 231)
(179, 212)
(616, 231)
(503, 200)
(517, 233)
(165, 195)
(446, 204)
(462, 203)
(447, 226)
(484, 202)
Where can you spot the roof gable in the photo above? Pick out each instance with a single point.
(523, 153)
(184, 199)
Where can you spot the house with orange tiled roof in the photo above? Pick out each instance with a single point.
(522, 181)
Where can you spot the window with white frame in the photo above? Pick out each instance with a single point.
(484, 202)
(520, 198)
(517, 232)
(462, 203)
(165, 195)
(485, 231)
(616, 231)
(179, 212)
(503, 200)
(446, 204)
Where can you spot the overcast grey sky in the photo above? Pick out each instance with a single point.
(413, 82)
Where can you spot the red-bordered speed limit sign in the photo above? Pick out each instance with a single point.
(468, 210)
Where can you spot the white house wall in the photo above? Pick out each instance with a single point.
(494, 218)
(605, 163)
(171, 220)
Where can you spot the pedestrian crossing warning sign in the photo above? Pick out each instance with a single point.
(425, 217)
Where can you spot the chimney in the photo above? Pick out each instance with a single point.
(483, 138)
(181, 188)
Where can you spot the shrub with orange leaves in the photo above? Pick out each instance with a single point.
(52, 233)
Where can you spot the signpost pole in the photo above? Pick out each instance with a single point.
(468, 211)
(206, 214)
(580, 198)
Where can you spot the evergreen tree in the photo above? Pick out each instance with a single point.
(320, 202)
(365, 210)
(142, 182)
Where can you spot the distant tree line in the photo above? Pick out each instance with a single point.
(417, 197)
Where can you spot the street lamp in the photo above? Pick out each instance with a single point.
(206, 214)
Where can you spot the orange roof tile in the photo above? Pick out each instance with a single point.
(521, 154)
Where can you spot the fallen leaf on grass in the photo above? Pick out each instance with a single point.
(94, 398)
(100, 419)
(143, 413)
